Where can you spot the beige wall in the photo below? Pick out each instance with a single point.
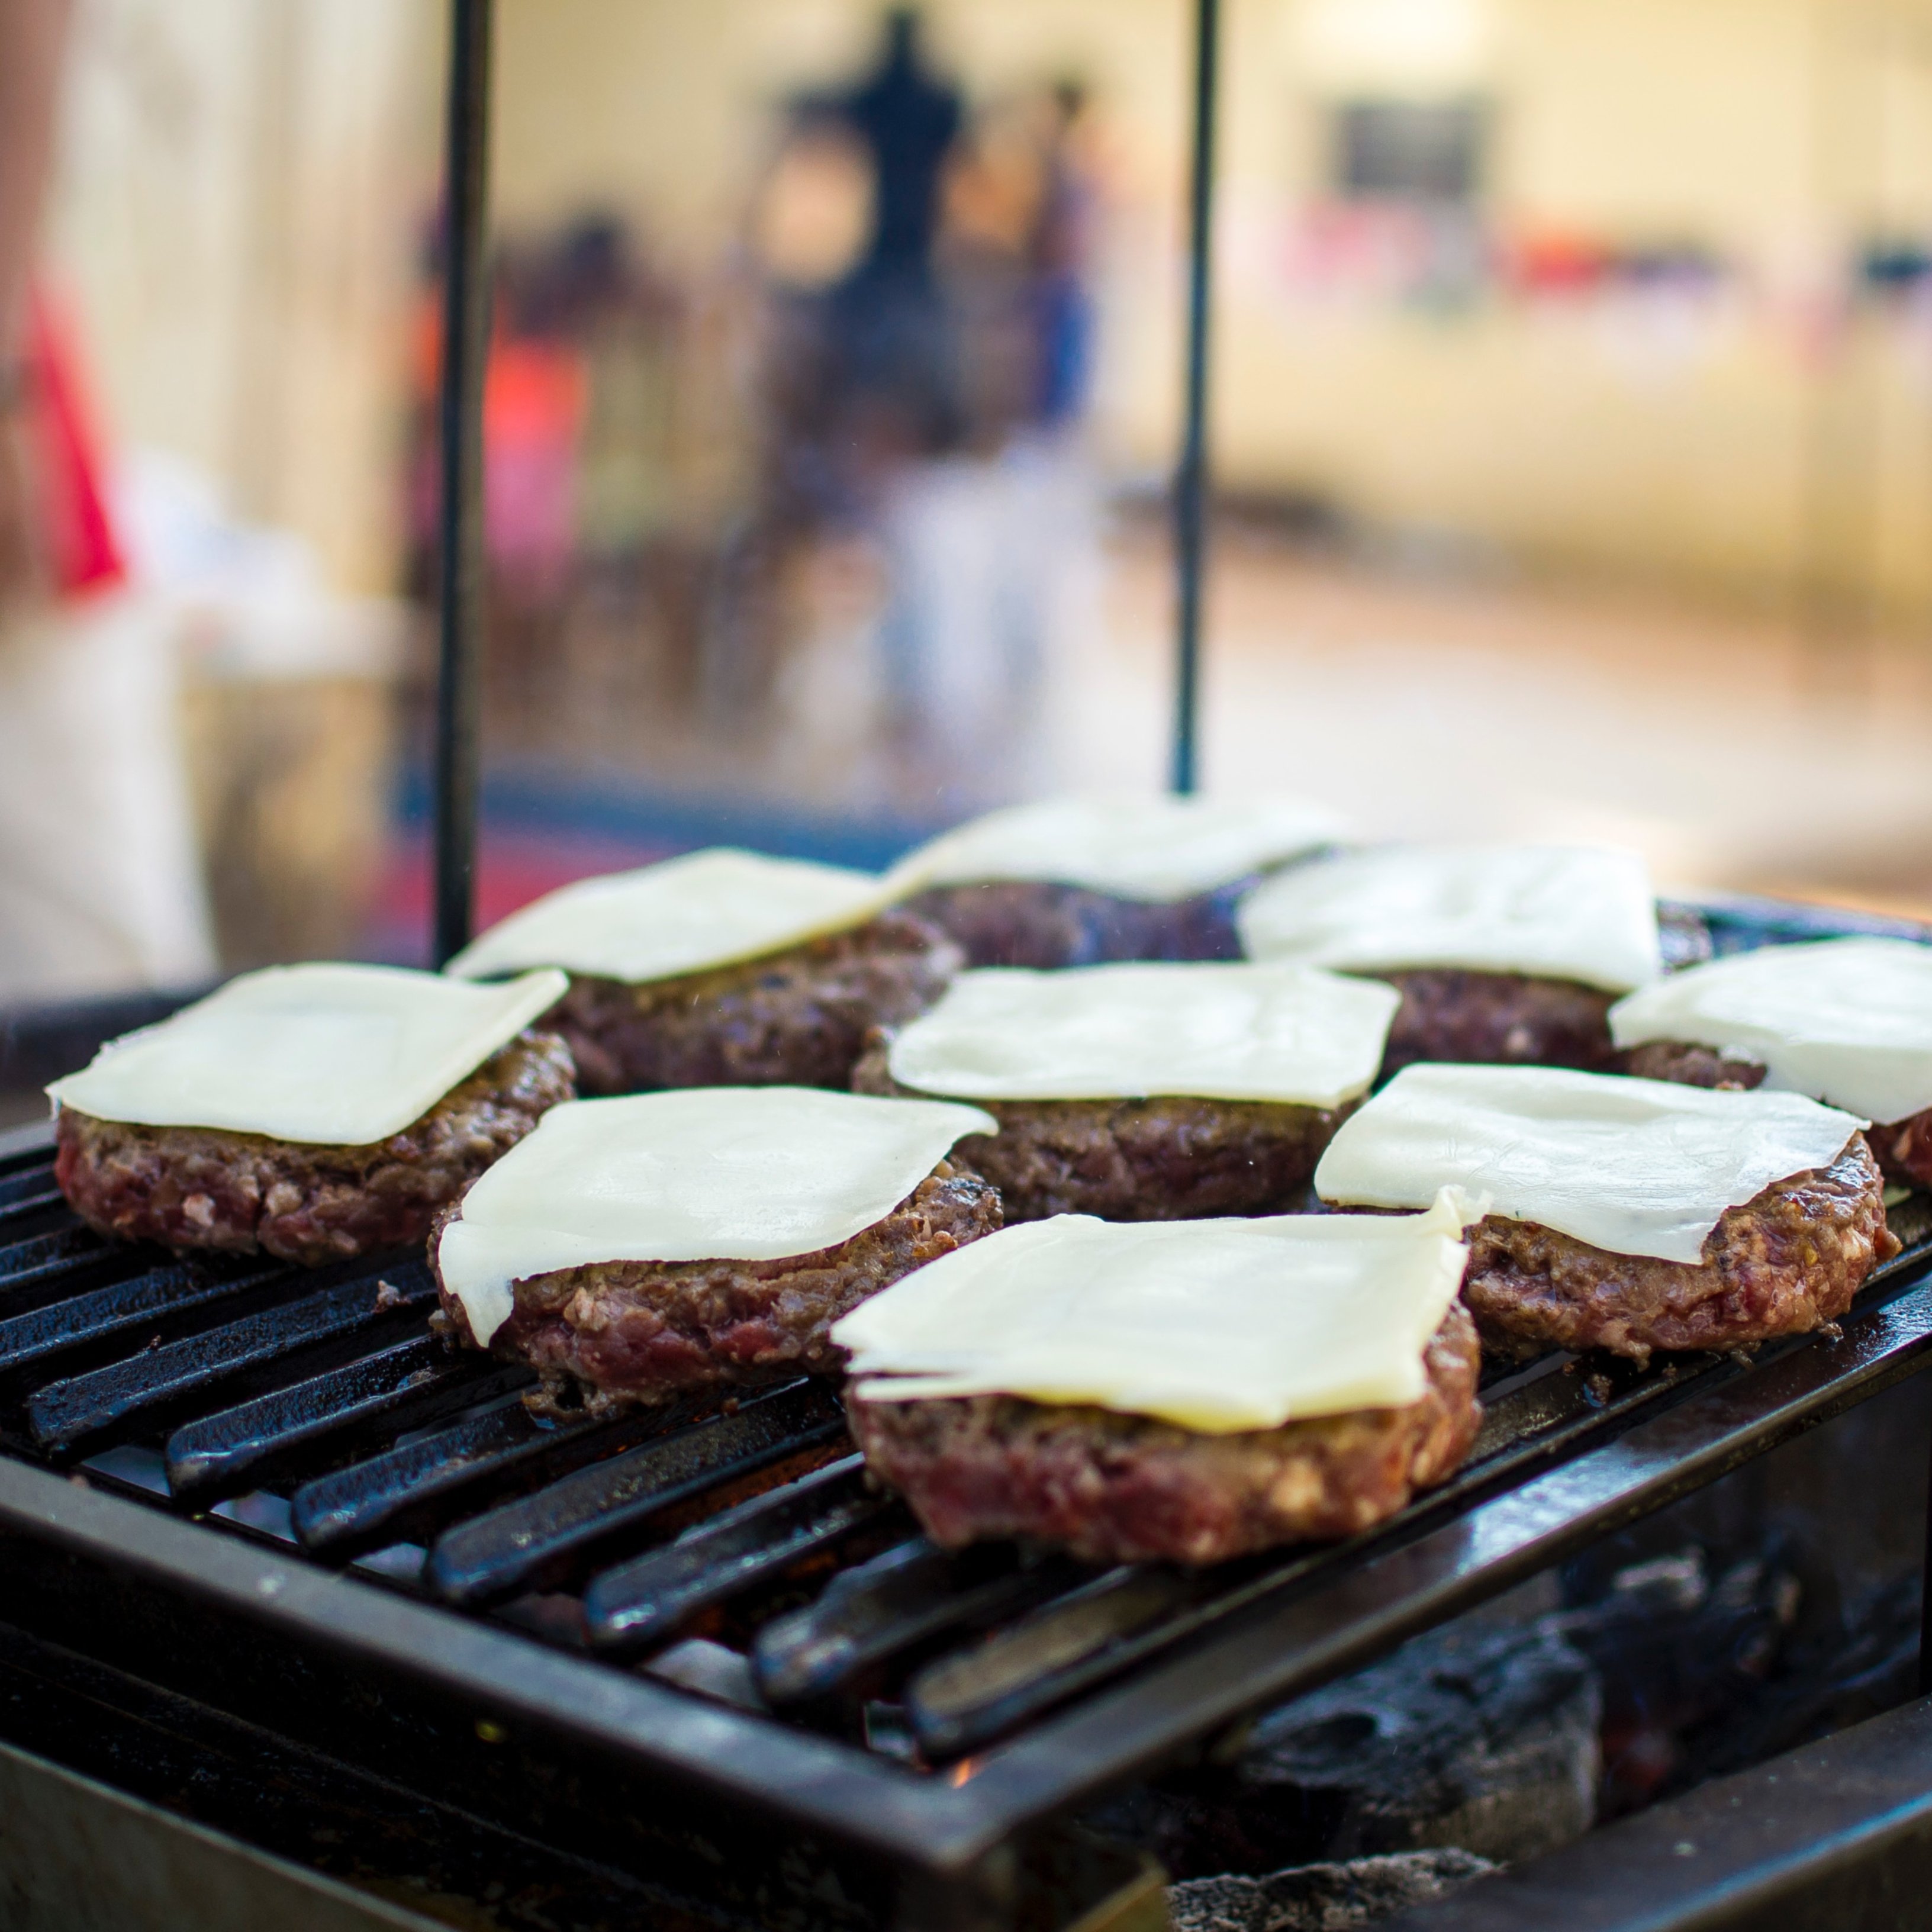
(243, 179)
(241, 185)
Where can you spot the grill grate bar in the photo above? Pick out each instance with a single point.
(257, 1443)
(17, 1209)
(645, 1601)
(20, 1177)
(407, 1492)
(964, 1700)
(148, 1385)
(43, 1267)
(99, 1316)
(905, 1597)
(520, 1544)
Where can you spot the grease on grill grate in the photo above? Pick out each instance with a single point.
(731, 1547)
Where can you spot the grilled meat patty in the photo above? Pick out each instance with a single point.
(1689, 1066)
(204, 1187)
(612, 1333)
(1456, 1013)
(1126, 1489)
(1159, 1159)
(1451, 1013)
(796, 1018)
(1903, 1148)
(1787, 1261)
(1031, 923)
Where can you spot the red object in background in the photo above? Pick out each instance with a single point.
(82, 553)
(535, 393)
(1553, 262)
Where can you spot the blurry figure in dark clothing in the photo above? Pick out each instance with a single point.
(893, 377)
(908, 118)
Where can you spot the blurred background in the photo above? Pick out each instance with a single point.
(1572, 434)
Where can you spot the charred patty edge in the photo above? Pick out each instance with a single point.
(796, 1017)
(606, 1336)
(1113, 1488)
(1169, 1157)
(1786, 1262)
(200, 1188)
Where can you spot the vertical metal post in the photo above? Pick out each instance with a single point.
(466, 338)
(1190, 486)
(1925, 1595)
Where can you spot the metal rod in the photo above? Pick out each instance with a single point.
(1190, 487)
(1925, 1595)
(466, 339)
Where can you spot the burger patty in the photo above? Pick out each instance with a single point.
(797, 1018)
(1173, 1159)
(1452, 1013)
(1690, 1066)
(1789, 1260)
(1031, 923)
(610, 1334)
(1128, 1489)
(1903, 1148)
(204, 1187)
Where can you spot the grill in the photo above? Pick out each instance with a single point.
(692, 1642)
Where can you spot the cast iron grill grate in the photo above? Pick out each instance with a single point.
(732, 1552)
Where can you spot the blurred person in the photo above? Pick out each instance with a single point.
(99, 887)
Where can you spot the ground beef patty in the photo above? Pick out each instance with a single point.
(1451, 1013)
(796, 1018)
(1160, 1159)
(1455, 1013)
(612, 1334)
(1030, 922)
(203, 1187)
(1788, 1260)
(1123, 1489)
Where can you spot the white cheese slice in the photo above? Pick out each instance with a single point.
(698, 1173)
(1638, 1167)
(710, 908)
(1846, 1020)
(1217, 1325)
(1224, 1032)
(1561, 912)
(334, 1055)
(1152, 849)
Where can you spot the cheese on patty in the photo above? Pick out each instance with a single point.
(707, 909)
(1221, 1032)
(1220, 1326)
(698, 1173)
(1846, 1021)
(1561, 912)
(330, 1055)
(1638, 1167)
(1160, 849)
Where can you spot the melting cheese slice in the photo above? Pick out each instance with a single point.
(1561, 912)
(334, 1055)
(1846, 1020)
(1638, 1167)
(699, 1174)
(706, 909)
(1217, 1325)
(1152, 849)
(1230, 1032)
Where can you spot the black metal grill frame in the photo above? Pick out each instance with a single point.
(564, 1562)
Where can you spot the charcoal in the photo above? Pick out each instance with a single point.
(1680, 1655)
(1321, 1898)
(1482, 1736)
